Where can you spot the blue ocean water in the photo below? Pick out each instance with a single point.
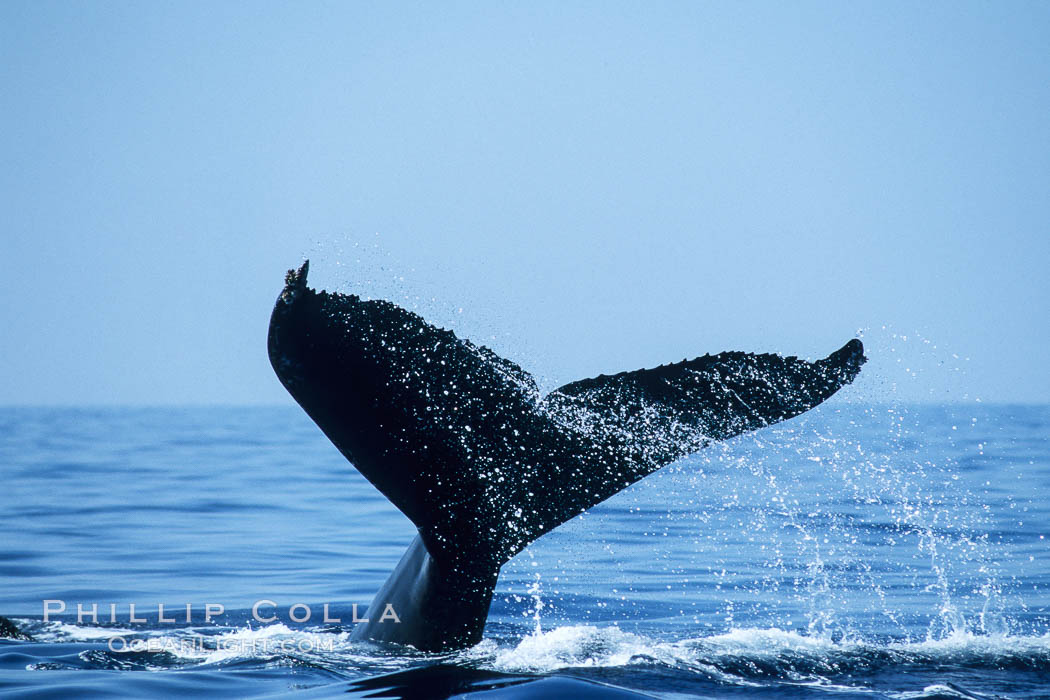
(896, 551)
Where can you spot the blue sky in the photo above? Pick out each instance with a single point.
(587, 187)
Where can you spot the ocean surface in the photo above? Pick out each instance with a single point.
(879, 551)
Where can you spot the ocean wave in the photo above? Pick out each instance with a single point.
(751, 653)
(738, 656)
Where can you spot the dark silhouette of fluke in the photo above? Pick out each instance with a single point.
(460, 440)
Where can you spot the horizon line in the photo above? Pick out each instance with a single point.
(292, 404)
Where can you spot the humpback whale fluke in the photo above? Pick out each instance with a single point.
(460, 440)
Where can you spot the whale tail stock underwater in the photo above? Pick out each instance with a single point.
(460, 440)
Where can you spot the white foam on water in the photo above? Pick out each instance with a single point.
(573, 646)
(67, 632)
(247, 643)
(740, 656)
(788, 654)
(938, 690)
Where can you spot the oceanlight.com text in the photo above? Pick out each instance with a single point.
(205, 646)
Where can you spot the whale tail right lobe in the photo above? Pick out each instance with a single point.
(625, 426)
(461, 442)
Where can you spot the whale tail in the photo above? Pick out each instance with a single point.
(461, 442)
